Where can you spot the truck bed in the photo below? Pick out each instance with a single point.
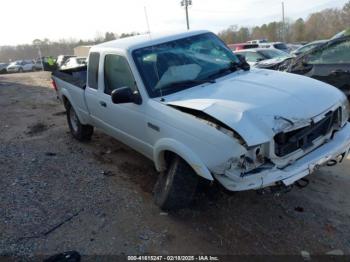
(71, 83)
(75, 76)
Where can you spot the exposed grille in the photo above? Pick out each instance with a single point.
(286, 143)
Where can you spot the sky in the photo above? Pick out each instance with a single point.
(26, 20)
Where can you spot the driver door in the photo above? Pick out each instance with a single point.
(127, 121)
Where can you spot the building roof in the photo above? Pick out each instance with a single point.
(139, 41)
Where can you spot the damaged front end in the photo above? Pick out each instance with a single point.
(296, 150)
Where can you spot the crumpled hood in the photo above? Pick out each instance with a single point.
(253, 103)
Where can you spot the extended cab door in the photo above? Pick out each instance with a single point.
(331, 64)
(127, 121)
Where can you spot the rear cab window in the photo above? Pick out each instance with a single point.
(94, 59)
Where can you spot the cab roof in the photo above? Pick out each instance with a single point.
(144, 40)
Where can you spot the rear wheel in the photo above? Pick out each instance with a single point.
(176, 186)
(20, 70)
(78, 130)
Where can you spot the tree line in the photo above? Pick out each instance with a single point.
(53, 48)
(318, 25)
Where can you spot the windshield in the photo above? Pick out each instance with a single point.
(185, 62)
(274, 53)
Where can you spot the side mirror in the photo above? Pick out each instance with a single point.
(244, 65)
(125, 95)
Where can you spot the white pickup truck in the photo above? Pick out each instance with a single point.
(195, 109)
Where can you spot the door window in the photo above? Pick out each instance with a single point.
(117, 74)
(337, 53)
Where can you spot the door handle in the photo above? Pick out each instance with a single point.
(102, 103)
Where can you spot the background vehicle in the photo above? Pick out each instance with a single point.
(305, 48)
(3, 68)
(241, 46)
(293, 47)
(258, 41)
(61, 59)
(276, 45)
(189, 104)
(20, 66)
(343, 33)
(256, 55)
(74, 62)
(38, 65)
(329, 63)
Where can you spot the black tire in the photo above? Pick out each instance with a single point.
(78, 130)
(20, 70)
(176, 186)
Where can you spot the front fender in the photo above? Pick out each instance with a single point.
(169, 144)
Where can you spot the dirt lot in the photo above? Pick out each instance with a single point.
(58, 194)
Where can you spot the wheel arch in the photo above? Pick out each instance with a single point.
(169, 145)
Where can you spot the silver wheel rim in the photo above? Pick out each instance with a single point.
(73, 119)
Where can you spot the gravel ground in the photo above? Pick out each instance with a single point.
(58, 194)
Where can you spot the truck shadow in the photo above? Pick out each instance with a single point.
(259, 224)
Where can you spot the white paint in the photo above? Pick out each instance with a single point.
(248, 102)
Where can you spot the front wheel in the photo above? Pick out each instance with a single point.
(77, 129)
(176, 187)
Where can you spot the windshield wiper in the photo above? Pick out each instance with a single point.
(234, 66)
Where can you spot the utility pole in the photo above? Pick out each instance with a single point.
(186, 3)
(41, 58)
(283, 23)
(146, 16)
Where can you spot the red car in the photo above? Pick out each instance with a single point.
(241, 46)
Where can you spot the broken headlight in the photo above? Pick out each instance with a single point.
(253, 159)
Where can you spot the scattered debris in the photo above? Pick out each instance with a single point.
(335, 252)
(107, 173)
(50, 154)
(163, 213)
(144, 236)
(59, 113)
(299, 209)
(305, 255)
(330, 229)
(44, 234)
(70, 256)
(108, 151)
(61, 223)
